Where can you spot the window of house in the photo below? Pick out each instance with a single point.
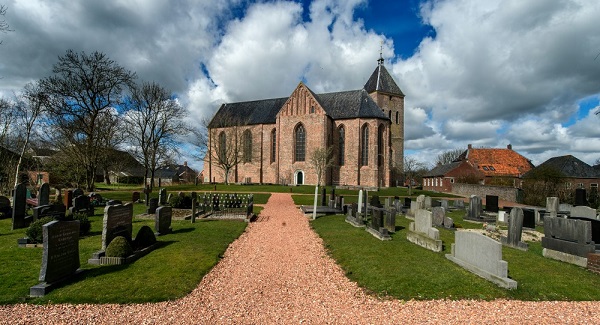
(568, 185)
(485, 168)
(580, 185)
(452, 180)
(273, 145)
(492, 168)
(247, 146)
(364, 146)
(312, 109)
(300, 143)
(594, 185)
(341, 145)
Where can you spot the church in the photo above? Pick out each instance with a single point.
(272, 141)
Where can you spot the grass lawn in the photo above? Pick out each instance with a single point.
(403, 270)
(169, 272)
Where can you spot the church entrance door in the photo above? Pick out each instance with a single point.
(299, 177)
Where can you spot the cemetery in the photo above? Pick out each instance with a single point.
(377, 238)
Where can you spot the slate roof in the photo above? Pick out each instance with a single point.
(441, 170)
(382, 81)
(571, 167)
(337, 105)
(497, 162)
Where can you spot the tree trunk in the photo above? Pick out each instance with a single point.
(106, 176)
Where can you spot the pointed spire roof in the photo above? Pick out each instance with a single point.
(382, 81)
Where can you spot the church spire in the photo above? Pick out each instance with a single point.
(380, 60)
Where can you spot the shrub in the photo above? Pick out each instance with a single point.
(144, 238)
(84, 223)
(35, 231)
(119, 247)
(179, 202)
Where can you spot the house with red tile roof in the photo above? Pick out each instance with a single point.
(486, 166)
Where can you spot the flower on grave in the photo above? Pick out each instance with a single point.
(485, 225)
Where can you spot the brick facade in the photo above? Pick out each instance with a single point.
(303, 108)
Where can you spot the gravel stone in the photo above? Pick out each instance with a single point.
(278, 272)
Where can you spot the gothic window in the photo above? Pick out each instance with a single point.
(222, 148)
(299, 143)
(397, 117)
(390, 114)
(380, 151)
(341, 145)
(247, 146)
(364, 146)
(273, 145)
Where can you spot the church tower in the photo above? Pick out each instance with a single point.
(388, 96)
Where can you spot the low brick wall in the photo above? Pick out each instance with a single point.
(504, 193)
(593, 262)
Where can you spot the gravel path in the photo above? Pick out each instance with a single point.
(279, 272)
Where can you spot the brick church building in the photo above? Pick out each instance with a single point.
(272, 140)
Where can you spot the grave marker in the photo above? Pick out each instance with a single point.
(117, 221)
(515, 230)
(552, 206)
(491, 203)
(583, 212)
(68, 199)
(44, 194)
(5, 207)
(19, 206)
(162, 220)
(568, 240)
(152, 206)
(481, 255)
(438, 214)
(135, 196)
(422, 233)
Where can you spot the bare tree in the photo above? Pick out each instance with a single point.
(29, 106)
(82, 88)
(7, 118)
(448, 156)
(109, 140)
(4, 27)
(412, 169)
(321, 160)
(225, 149)
(154, 121)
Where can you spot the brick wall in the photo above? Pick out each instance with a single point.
(503, 192)
(593, 262)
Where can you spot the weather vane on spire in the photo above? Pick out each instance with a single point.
(380, 60)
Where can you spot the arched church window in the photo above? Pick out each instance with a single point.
(222, 147)
(380, 151)
(341, 145)
(247, 146)
(273, 145)
(364, 145)
(299, 143)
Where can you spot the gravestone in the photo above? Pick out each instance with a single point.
(77, 192)
(414, 207)
(5, 207)
(387, 203)
(474, 212)
(44, 194)
(583, 212)
(568, 240)
(529, 218)
(580, 197)
(360, 202)
(375, 202)
(389, 220)
(515, 230)
(565, 207)
(436, 203)
(147, 191)
(491, 203)
(114, 202)
(60, 259)
(59, 197)
(68, 199)
(481, 255)
(427, 202)
(169, 198)
(421, 201)
(19, 207)
(135, 196)
(376, 227)
(444, 204)
(407, 201)
(49, 210)
(552, 206)
(459, 204)
(81, 204)
(162, 220)
(193, 209)
(323, 196)
(117, 221)
(422, 233)
(501, 217)
(152, 206)
(438, 214)
(448, 222)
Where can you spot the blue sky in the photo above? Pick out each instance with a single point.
(486, 73)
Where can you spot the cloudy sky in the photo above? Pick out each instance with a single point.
(488, 73)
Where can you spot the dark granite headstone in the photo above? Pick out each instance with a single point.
(491, 203)
(569, 236)
(50, 210)
(390, 220)
(5, 207)
(77, 192)
(44, 194)
(375, 201)
(61, 250)
(117, 221)
(147, 191)
(377, 218)
(152, 206)
(135, 196)
(114, 202)
(19, 206)
(474, 212)
(528, 218)
(82, 204)
(324, 197)
(407, 202)
(162, 220)
(162, 196)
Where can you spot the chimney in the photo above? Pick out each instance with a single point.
(469, 146)
(185, 163)
(509, 147)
